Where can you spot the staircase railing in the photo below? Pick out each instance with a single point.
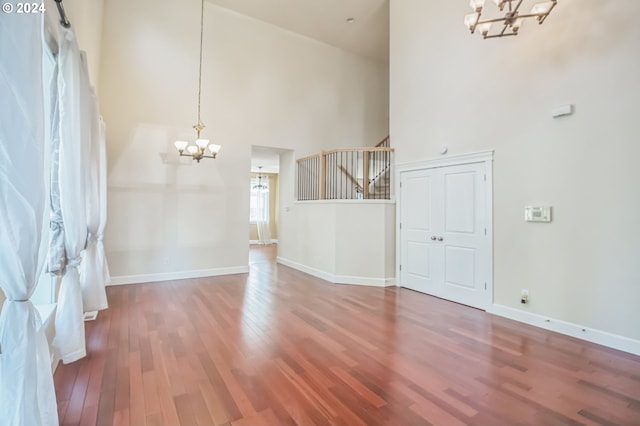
(384, 143)
(348, 173)
(308, 178)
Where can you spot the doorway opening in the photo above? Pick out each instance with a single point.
(265, 197)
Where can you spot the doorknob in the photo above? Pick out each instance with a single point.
(440, 238)
(433, 238)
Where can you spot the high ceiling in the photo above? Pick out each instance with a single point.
(326, 21)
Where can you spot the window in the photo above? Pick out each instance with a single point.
(259, 203)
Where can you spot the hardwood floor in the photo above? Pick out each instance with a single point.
(278, 346)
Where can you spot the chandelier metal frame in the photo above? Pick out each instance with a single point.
(512, 19)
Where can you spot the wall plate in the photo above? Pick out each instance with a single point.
(537, 213)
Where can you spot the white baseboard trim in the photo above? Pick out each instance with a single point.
(273, 241)
(333, 278)
(603, 338)
(181, 275)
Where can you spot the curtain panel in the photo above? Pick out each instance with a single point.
(92, 276)
(75, 133)
(27, 394)
(262, 213)
(102, 188)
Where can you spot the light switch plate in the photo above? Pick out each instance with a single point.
(537, 213)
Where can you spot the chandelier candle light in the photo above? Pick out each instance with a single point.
(198, 151)
(512, 19)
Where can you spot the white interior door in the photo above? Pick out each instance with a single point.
(464, 242)
(419, 254)
(444, 246)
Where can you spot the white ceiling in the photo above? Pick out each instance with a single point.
(326, 21)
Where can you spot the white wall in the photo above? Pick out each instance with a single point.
(261, 85)
(449, 87)
(343, 241)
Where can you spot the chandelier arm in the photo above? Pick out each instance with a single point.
(534, 15)
(515, 9)
(504, 29)
(487, 21)
(182, 154)
(518, 6)
(543, 17)
(500, 35)
(473, 27)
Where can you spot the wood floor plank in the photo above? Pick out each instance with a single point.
(165, 387)
(89, 415)
(358, 387)
(150, 393)
(137, 409)
(277, 346)
(222, 410)
(77, 398)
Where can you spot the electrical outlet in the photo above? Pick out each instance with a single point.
(524, 296)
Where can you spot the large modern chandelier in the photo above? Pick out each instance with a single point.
(510, 23)
(198, 151)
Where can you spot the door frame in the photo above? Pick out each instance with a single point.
(484, 157)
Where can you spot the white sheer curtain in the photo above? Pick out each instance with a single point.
(75, 134)
(262, 212)
(102, 188)
(92, 277)
(27, 394)
(57, 257)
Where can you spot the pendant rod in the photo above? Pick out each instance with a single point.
(200, 68)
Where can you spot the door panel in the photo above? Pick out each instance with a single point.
(460, 196)
(418, 266)
(416, 221)
(418, 215)
(464, 239)
(460, 266)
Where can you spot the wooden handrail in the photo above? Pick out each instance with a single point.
(308, 157)
(351, 178)
(376, 148)
(355, 149)
(383, 141)
(359, 149)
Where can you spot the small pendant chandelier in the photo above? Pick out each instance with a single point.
(198, 151)
(260, 186)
